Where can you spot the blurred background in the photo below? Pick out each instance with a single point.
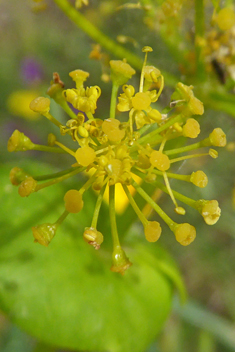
(37, 39)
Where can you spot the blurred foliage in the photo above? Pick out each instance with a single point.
(52, 43)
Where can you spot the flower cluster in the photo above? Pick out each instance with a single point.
(114, 152)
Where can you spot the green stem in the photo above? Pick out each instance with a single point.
(59, 179)
(160, 173)
(184, 149)
(182, 158)
(199, 37)
(52, 119)
(61, 218)
(107, 43)
(96, 34)
(112, 215)
(54, 175)
(113, 101)
(186, 200)
(97, 207)
(151, 137)
(88, 183)
(45, 148)
(135, 206)
(67, 109)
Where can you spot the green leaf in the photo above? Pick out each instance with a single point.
(65, 295)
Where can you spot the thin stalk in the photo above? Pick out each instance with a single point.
(135, 206)
(186, 200)
(182, 158)
(59, 179)
(52, 119)
(97, 207)
(112, 215)
(45, 148)
(154, 205)
(113, 101)
(54, 175)
(151, 137)
(61, 218)
(199, 38)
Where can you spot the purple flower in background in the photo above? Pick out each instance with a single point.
(31, 71)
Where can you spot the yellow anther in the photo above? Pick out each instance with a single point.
(151, 73)
(213, 153)
(128, 90)
(121, 72)
(51, 139)
(83, 132)
(180, 210)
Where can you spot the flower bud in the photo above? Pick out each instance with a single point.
(218, 138)
(185, 233)
(120, 261)
(93, 237)
(19, 142)
(41, 105)
(44, 233)
(121, 72)
(210, 210)
(17, 175)
(191, 129)
(152, 231)
(27, 187)
(73, 201)
(151, 73)
(199, 179)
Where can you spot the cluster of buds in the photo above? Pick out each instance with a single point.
(116, 152)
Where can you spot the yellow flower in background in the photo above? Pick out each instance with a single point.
(18, 104)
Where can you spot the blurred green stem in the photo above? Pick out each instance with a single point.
(96, 34)
(199, 40)
(107, 43)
